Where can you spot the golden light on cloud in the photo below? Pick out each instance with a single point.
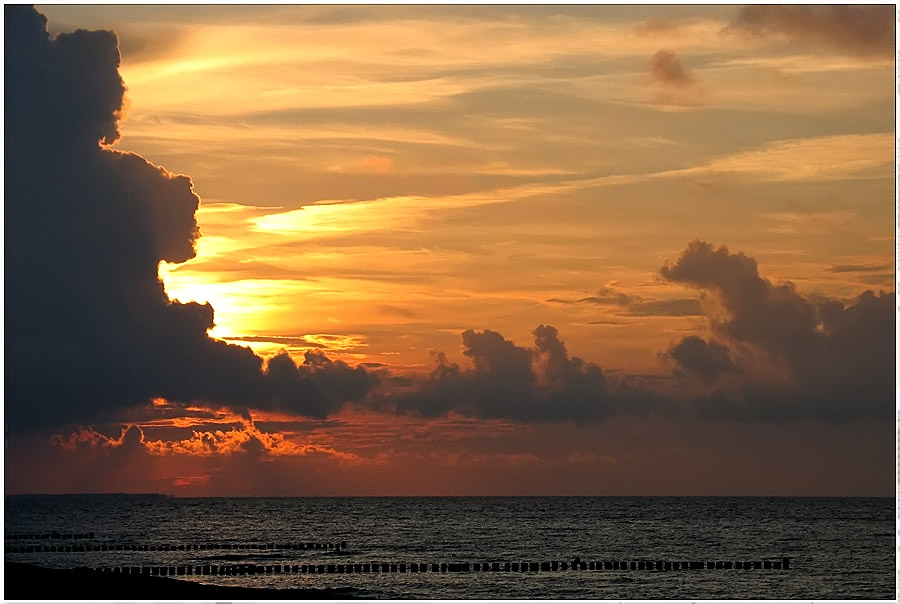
(822, 158)
(242, 306)
(244, 439)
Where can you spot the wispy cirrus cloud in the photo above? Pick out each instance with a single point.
(860, 268)
(632, 305)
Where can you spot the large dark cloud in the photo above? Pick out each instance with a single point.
(865, 31)
(799, 359)
(89, 327)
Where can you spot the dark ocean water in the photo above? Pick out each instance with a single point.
(840, 548)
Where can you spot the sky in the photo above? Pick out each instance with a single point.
(450, 250)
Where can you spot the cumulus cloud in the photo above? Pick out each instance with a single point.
(863, 31)
(705, 360)
(88, 437)
(243, 437)
(318, 386)
(90, 327)
(800, 359)
(775, 355)
(538, 384)
(774, 316)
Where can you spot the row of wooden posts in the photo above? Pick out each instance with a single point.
(34, 537)
(449, 567)
(130, 547)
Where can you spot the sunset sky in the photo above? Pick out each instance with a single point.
(447, 250)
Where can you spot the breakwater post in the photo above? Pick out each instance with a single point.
(637, 565)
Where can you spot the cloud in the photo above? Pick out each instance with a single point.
(859, 268)
(637, 306)
(285, 340)
(90, 322)
(87, 437)
(820, 158)
(318, 386)
(792, 223)
(775, 355)
(538, 384)
(138, 46)
(676, 83)
(863, 31)
(653, 26)
(757, 311)
(705, 360)
(71, 90)
(92, 331)
(667, 69)
(243, 437)
(799, 358)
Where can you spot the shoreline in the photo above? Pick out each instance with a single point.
(31, 582)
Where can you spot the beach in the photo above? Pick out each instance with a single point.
(31, 582)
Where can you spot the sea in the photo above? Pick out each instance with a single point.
(838, 548)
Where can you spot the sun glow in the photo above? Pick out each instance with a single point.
(241, 306)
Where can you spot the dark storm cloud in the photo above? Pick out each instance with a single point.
(800, 359)
(636, 306)
(89, 327)
(68, 89)
(852, 29)
(667, 69)
(538, 384)
(136, 45)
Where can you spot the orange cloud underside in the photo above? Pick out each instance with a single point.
(353, 437)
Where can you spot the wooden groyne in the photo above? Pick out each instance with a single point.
(36, 537)
(576, 564)
(168, 547)
(452, 567)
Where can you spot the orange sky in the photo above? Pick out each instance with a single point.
(399, 200)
